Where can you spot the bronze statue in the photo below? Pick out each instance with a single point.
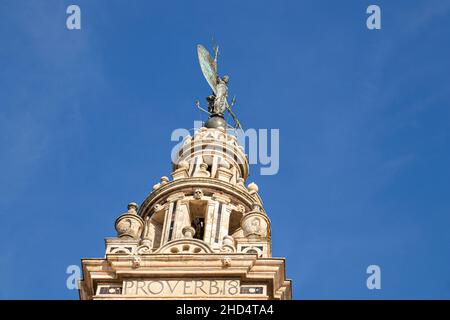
(221, 95)
(217, 102)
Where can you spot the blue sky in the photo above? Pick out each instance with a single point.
(86, 118)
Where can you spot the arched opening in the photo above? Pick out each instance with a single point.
(156, 227)
(235, 222)
(197, 213)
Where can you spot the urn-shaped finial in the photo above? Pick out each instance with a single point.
(130, 225)
(252, 188)
(255, 224)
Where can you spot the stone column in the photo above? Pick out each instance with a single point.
(221, 217)
(209, 219)
(171, 218)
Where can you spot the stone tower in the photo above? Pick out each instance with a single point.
(202, 234)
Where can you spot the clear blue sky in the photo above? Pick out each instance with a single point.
(86, 118)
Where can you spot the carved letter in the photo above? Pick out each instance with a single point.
(140, 285)
(172, 288)
(215, 286)
(186, 287)
(128, 285)
(158, 282)
(199, 285)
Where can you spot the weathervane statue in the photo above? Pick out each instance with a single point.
(217, 101)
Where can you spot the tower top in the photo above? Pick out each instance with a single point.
(217, 101)
(203, 234)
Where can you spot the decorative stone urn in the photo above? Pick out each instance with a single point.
(130, 225)
(255, 224)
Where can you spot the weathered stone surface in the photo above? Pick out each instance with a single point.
(203, 235)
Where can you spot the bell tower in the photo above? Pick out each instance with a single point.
(203, 234)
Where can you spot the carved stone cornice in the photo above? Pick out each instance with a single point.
(117, 268)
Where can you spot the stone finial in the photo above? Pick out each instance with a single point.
(130, 225)
(156, 186)
(256, 207)
(132, 207)
(188, 232)
(252, 188)
(255, 224)
(164, 180)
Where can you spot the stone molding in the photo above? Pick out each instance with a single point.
(248, 268)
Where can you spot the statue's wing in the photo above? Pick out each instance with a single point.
(208, 66)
